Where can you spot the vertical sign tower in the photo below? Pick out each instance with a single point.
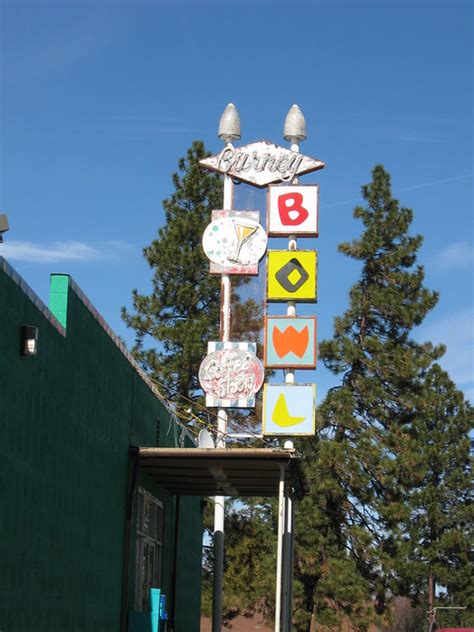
(231, 373)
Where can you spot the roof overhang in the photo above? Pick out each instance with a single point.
(236, 472)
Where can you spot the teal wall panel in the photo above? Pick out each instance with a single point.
(67, 419)
(188, 565)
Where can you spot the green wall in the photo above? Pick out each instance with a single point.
(67, 419)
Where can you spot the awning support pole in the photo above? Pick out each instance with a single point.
(281, 521)
(288, 553)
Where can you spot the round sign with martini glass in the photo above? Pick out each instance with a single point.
(234, 242)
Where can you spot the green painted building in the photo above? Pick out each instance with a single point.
(83, 532)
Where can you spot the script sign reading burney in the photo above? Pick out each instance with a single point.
(261, 163)
(231, 374)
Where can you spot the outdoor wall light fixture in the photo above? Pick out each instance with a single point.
(3, 225)
(29, 340)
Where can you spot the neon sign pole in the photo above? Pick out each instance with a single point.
(229, 130)
(294, 131)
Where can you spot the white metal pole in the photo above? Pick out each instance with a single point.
(291, 518)
(281, 526)
(287, 538)
(219, 501)
(291, 305)
(287, 579)
(287, 563)
(294, 131)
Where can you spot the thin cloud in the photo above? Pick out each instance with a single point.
(457, 333)
(433, 183)
(146, 130)
(63, 50)
(145, 118)
(61, 251)
(414, 136)
(412, 187)
(144, 127)
(457, 255)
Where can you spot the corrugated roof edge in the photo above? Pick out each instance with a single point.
(48, 314)
(122, 347)
(34, 298)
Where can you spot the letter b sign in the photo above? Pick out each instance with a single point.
(293, 210)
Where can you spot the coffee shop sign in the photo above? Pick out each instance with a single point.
(261, 163)
(231, 374)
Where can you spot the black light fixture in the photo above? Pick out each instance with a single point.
(29, 340)
(3, 225)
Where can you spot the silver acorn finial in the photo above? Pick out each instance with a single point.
(295, 125)
(229, 125)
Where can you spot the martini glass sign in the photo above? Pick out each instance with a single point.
(234, 242)
(244, 233)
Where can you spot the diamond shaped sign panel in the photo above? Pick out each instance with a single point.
(291, 275)
(261, 163)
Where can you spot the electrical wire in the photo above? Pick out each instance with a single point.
(188, 415)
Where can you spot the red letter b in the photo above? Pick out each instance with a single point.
(290, 209)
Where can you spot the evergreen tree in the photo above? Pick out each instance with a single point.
(182, 312)
(363, 460)
(439, 527)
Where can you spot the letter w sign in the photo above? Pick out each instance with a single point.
(293, 210)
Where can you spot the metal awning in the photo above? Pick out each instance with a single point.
(223, 471)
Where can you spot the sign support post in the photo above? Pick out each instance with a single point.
(219, 501)
(294, 132)
(281, 529)
(229, 130)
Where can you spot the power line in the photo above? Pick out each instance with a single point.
(188, 415)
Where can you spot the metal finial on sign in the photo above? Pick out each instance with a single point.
(229, 124)
(295, 125)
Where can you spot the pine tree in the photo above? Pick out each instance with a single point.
(363, 459)
(439, 532)
(182, 312)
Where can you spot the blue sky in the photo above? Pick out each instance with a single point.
(100, 99)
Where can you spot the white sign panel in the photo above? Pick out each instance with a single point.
(231, 374)
(293, 210)
(234, 242)
(261, 163)
(289, 409)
